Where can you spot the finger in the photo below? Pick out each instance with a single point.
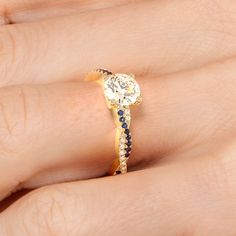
(45, 127)
(13, 198)
(18, 11)
(65, 132)
(122, 39)
(170, 200)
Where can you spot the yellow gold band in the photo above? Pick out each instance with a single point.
(121, 91)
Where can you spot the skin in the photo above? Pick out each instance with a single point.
(55, 128)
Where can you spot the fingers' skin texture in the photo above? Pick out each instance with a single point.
(18, 11)
(62, 132)
(11, 199)
(127, 205)
(179, 35)
(51, 126)
(189, 198)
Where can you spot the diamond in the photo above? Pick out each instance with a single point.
(122, 141)
(121, 89)
(127, 112)
(122, 119)
(122, 152)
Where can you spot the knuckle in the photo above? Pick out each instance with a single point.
(50, 211)
(10, 99)
(18, 48)
(216, 189)
(207, 176)
(17, 106)
(227, 162)
(8, 49)
(216, 177)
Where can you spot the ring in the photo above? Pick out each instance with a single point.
(121, 91)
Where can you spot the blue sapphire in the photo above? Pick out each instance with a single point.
(105, 71)
(127, 131)
(120, 113)
(128, 137)
(124, 126)
(127, 154)
(129, 143)
(128, 149)
(122, 119)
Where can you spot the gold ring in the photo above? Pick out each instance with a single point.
(121, 91)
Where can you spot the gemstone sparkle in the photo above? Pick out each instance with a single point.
(121, 89)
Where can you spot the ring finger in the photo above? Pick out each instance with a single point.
(60, 132)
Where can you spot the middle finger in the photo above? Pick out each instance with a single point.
(119, 38)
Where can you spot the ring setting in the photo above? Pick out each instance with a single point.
(121, 91)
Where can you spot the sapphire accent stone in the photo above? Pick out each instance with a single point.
(122, 119)
(127, 131)
(124, 126)
(120, 113)
(105, 71)
(128, 149)
(128, 137)
(129, 143)
(127, 154)
(118, 172)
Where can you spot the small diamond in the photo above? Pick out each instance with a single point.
(123, 159)
(122, 140)
(127, 112)
(122, 119)
(122, 152)
(123, 137)
(127, 118)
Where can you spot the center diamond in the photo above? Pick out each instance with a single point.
(121, 89)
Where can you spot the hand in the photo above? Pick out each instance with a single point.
(49, 135)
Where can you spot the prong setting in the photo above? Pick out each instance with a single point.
(121, 91)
